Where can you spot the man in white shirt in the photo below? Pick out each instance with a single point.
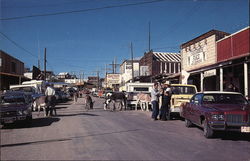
(51, 100)
(155, 94)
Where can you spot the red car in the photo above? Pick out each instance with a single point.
(217, 111)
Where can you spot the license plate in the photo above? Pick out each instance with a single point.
(9, 120)
(245, 129)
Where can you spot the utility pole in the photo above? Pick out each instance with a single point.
(132, 61)
(149, 37)
(114, 65)
(45, 64)
(106, 72)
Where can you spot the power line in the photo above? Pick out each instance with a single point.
(84, 10)
(16, 44)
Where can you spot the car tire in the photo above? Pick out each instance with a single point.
(188, 123)
(29, 120)
(207, 131)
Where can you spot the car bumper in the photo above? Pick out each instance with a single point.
(175, 109)
(224, 126)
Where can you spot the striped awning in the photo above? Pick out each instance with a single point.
(167, 57)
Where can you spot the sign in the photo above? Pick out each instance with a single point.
(210, 73)
(113, 78)
(196, 56)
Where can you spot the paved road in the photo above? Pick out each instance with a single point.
(76, 134)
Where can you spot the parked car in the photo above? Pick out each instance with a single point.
(180, 93)
(31, 90)
(15, 106)
(218, 111)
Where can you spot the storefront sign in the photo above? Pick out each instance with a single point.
(113, 78)
(196, 57)
(210, 73)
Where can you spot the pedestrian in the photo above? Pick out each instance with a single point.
(155, 94)
(88, 102)
(50, 100)
(75, 96)
(166, 96)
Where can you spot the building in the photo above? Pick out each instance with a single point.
(233, 61)
(11, 71)
(94, 80)
(197, 56)
(126, 70)
(160, 64)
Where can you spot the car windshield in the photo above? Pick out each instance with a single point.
(183, 90)
(12, 100)
(25, 89)
(224, 99)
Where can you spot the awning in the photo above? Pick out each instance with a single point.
(167, 57)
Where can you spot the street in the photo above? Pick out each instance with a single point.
(76, 134)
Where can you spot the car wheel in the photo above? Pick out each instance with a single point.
(188, 123)
(207, 131)
(169, 116)
(29, 120)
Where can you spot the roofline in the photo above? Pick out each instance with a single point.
(205, 35)
(248, 27)
(165, 52)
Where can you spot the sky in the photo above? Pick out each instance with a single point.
(87, 35)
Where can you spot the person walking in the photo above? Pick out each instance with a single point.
(155, 94)
(75, 96)
(50, 100)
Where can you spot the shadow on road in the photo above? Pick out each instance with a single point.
(60, 107)
(34, 142)
(229, 135)
(66, 139)
(234, 136)
(38, 122)
(76, 114)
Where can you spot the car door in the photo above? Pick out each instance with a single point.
(197, 109)
(189, 108)
(194, 110)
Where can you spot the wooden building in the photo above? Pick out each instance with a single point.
(160, 63)
(11, 71)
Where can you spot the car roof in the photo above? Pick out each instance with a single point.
(219, 92)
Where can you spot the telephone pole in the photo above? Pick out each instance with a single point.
(45, 64)
(114, 66)
(149, 36)
(132, 61)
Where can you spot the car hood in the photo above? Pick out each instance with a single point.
(13, 107)
(228, 107)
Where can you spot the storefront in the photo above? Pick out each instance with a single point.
(234, 52)
(198, 60)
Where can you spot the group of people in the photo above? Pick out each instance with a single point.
(157, 91)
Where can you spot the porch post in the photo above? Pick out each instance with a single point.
(245, 79)
(202, 78)
(221, 79)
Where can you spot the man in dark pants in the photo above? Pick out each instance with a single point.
(165, 102)
(50, 100)
(155, 93)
